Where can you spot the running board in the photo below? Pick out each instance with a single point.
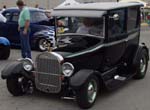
(68, 98)
(117, 81)
(119, 78)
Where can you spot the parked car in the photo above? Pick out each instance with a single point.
(40, 27)
(98, 46)
(4, 48)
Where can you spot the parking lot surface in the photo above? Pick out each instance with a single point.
(135, 95)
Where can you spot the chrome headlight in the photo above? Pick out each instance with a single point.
(67, 69)
(28, 64)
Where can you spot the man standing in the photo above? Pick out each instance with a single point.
(24, 29)
(4, 8)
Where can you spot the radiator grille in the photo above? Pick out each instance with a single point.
(48, 73)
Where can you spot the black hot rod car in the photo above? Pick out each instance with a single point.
(97, 46)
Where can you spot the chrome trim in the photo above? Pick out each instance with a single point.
(48, 85)
(60, 58)
(67, 63)
(24, 59)
(104, 26)
(49, 73)
(77, 34)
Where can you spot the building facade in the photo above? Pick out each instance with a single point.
(48, 4)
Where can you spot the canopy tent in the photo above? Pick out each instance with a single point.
(139, 1)
(68, 2)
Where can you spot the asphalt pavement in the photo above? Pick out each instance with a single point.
(135, 95)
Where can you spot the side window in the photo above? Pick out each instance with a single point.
(7, 15)
(34, 17)
(116, 25)
(38, 17)
(132, 18)
(15, 17)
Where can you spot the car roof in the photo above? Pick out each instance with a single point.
(16, 9)
(90, 9)
(98, 6)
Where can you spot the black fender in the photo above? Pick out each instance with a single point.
(13, 69)
(138, 53)
(81, 77)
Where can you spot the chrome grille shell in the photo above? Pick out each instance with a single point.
(48, 72)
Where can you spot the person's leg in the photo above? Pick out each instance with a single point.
(23, 53)
(27, 45)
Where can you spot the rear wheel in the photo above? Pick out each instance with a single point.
(142, 64)
(42, 44)
(18, 86)
(87, 94)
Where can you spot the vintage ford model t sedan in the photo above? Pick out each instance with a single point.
(98, 46)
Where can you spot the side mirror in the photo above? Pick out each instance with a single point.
(115, 17)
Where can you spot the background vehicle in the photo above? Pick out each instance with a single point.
(40, 28)
(4, 48)
(98, 46)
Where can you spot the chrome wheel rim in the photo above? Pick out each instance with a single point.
(42, 44)
(92, 91)
(143, 65)
(27, 87)
(20, 81)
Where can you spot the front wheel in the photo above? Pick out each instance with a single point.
(142, 64)
(87, 94)
(18, 85)
(4, 52)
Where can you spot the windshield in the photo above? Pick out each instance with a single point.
(80, 25)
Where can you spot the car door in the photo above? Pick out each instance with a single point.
(116, 39)
(133, 31)
(10, 28)
(4, 27)
(13, 29)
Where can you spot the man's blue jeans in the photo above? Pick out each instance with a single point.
(25, 44)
